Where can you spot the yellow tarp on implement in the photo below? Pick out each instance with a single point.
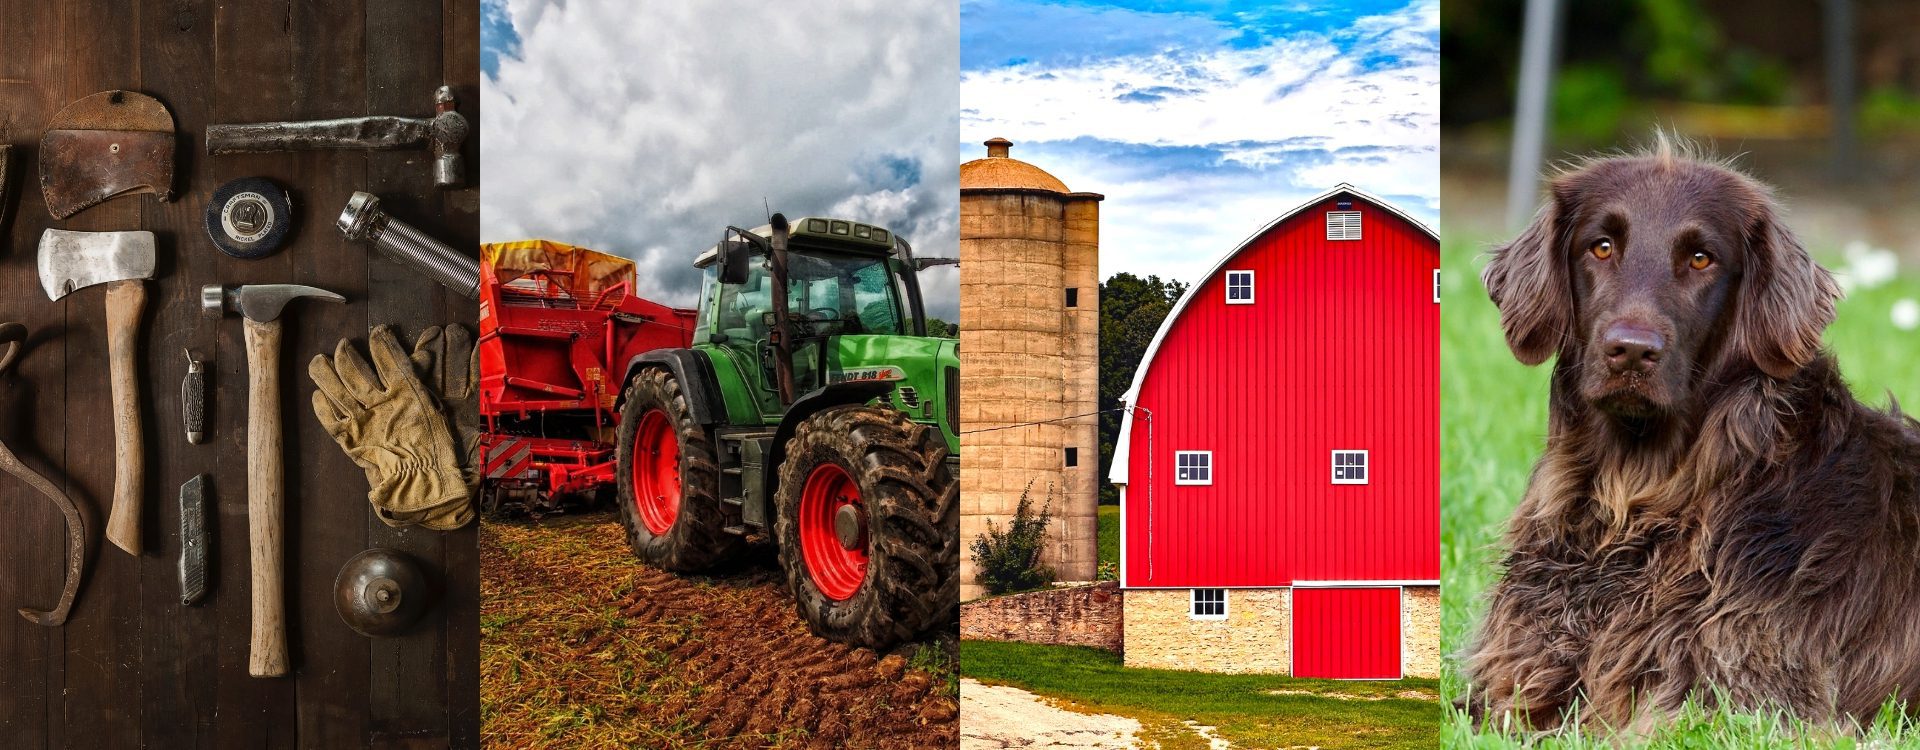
(586, 272)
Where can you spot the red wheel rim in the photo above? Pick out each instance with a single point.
(656, 471)
(837, 571)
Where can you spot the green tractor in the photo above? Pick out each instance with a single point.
(812, 410)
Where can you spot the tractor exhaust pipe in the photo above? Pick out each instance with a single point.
(782, 325)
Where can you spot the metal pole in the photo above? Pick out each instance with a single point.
(1530, 115)
(1840, 83)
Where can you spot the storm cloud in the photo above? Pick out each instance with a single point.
(644, 129)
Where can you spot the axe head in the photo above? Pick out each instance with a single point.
(75, 260)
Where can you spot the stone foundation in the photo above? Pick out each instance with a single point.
(1257, 634)
(1255, 637)
(1420, 631)
(1078, 616)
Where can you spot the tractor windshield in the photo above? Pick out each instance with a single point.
(836, 293)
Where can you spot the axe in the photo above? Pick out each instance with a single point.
(121, 260)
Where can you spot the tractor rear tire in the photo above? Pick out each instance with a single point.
(694, 537)
(907, 583)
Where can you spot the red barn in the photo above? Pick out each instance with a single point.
(1279, 467)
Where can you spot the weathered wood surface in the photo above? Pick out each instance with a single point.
(133, 667)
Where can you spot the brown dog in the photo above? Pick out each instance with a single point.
(1714, 514)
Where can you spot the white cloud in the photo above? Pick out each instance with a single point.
(645, 129)
(1287, 120)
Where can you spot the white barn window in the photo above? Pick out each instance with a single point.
(1436, 285)
(1239, 287)
(1193, 467)
(1349, 467)
(1343, 225)
(1208, 604)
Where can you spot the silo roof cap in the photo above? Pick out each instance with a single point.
(1003, 172)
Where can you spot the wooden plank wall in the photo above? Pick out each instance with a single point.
(132, 667)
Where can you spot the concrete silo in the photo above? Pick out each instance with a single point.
(1030, 338)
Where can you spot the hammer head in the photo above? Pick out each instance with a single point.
(259, 303)
(449, 134)
(76, 260)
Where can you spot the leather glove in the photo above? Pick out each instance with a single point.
(445, 360)
(388, 423)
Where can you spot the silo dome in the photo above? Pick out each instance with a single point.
(1003, 172)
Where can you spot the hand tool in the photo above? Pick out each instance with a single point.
(249, 218)
(363, 221)
(120, 260)
(193, 400)
(381, 592)
(260, 306)
(13, 335)
(109, 144)
(195, 543)
(444, 132)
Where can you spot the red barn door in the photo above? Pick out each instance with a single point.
(1346, 634)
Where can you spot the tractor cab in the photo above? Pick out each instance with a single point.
(852, 302)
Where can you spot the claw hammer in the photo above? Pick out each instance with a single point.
(260, 306)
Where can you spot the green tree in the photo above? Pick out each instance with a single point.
(1131, 309)
(941, 328)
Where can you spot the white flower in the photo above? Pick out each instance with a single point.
(1867, 266)
(1906, 314)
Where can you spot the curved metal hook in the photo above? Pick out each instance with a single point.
(13, 336)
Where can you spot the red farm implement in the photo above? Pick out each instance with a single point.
(556, 323)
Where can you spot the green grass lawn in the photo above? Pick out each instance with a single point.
(1251, 711)
(1493, 423)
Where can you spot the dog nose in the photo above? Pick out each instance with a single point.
(1631, 348)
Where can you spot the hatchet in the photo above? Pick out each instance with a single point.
(70, 261)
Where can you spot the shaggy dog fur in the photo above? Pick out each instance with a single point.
(1714, 515)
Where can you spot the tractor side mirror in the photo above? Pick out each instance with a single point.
(735, 255)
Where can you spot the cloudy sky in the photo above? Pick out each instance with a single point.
(645, 128)
(1202, 121)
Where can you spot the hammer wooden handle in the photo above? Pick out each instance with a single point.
(265, 483)
(125, 300)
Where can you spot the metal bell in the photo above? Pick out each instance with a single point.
(381, 592)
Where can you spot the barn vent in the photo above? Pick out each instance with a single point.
(1343, 225)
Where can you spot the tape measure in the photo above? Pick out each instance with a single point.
(249, 217)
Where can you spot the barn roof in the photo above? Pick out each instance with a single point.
(1121, 449)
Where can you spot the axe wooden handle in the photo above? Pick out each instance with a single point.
(125, 300)
(265, 483)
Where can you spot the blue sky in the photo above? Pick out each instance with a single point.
(643, 129)
(1202, 121)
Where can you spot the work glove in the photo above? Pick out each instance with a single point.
(388, 423)
(444, 359)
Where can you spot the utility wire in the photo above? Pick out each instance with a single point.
(1043, 421)
(1142, 410)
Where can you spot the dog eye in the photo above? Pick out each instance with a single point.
(1700, 261)
(1602, 249)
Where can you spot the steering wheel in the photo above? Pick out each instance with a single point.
(818, 319)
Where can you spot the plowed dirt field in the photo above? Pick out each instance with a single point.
(584, 646)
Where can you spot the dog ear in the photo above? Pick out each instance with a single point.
(1786, 300)
(1527, 280)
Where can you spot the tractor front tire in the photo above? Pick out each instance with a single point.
(668, 480)
(885, 571)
